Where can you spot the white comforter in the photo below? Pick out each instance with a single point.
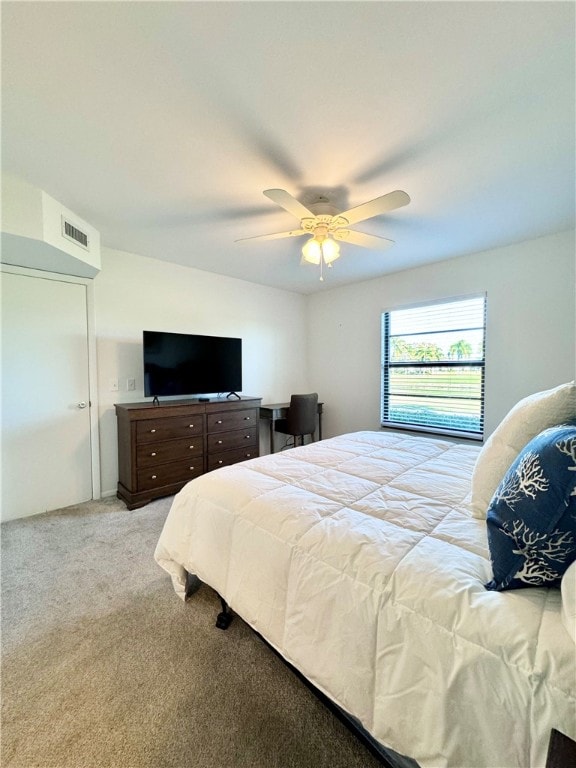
(358, 560)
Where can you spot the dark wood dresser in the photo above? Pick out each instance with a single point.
(162, 447)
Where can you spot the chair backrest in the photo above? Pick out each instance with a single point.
(301, 416)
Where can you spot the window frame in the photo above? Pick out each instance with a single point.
(387, 366)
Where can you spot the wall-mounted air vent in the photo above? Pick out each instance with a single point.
(73, 233)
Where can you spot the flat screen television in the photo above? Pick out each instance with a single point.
(188, 364)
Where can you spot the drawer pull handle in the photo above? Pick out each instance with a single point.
(220, 461)
(246, 437)
(190, 446)
(153, 477)
(191, 467)
(246, 418)
(152, 430)
(191, 426)
(219, 442)
(248, 455)
(153, 453)
(219, 421)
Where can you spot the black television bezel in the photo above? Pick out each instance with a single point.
(183, 390)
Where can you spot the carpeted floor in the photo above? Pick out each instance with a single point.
(102, 665)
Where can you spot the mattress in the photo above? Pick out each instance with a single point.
(358, 559)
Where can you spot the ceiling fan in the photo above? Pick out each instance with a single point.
(327, 226)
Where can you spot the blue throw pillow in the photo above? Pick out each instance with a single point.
(532, 516)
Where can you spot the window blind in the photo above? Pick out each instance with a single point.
(433, 367)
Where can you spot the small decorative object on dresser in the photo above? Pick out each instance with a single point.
(162, 447)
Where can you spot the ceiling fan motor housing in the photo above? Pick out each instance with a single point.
(322, 207)
(323, 224)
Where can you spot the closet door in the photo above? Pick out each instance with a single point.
(46, 446)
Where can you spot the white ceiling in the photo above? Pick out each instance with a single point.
(161, 123)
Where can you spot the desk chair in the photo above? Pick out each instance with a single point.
(301, 417)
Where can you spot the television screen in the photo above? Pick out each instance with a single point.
(187, 364)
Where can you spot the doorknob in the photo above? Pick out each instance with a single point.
(82, 404)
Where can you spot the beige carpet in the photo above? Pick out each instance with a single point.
(102, 665)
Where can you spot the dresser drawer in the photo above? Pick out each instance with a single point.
(153, 430)
(224, 441)
(166, 474)
(152, 454)
(226, 458)
(223, 422)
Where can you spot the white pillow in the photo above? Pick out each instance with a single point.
(568, 589)
(525, 420)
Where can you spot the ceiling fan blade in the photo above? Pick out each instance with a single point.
(383, 204)
(285, 200)
(362, 239)
(275, 236)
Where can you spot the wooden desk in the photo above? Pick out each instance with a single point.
(272, 411)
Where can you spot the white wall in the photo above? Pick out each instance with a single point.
(530, 335)
(134, 293)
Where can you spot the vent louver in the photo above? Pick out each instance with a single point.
(74, 234)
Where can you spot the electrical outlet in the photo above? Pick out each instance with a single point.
(113, 385)
(130, 385)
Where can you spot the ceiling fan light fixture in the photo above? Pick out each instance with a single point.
(330, 250)
(312, 251)
(316, 250)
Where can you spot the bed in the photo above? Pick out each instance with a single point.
(360, 560)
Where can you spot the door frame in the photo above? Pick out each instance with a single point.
(92, 359)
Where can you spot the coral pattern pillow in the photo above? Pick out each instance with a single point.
(525, 420)
(532, 516)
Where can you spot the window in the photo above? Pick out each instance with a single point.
(433, 367)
